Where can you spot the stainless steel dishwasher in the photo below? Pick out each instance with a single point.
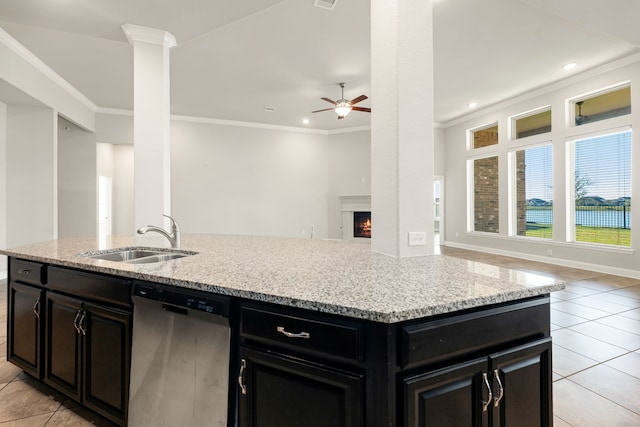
(179, 357)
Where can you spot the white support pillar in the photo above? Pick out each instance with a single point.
(151, 123)
(402, 131)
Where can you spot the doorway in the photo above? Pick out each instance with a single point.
(104, 206)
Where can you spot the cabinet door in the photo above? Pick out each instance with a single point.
(62, 342)
(24, 347)
(278, 391)
(107, 350)
(454, 396)
(522, 396)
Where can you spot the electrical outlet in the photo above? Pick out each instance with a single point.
(549, 252)
(417, 238)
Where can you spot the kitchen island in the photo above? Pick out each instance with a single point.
(327, 333)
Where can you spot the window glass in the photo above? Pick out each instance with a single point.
(485, 137)
(485, 194)
(602, 189)
(603, 106)
(534, 192)
(533, 124)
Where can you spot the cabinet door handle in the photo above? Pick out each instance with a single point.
(75, 320)
(497, 400)
(485, 404)
(82, 323)
(243, 366)
(36, 308)
(305, 335)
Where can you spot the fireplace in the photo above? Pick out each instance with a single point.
(362, 224)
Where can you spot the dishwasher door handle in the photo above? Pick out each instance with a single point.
(175, 308)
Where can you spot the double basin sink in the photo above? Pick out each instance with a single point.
(138, 255)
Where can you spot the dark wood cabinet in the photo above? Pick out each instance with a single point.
(24, 328)
(88, 349)
(509, 388)
(282, 391)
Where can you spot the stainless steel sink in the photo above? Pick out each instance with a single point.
(138, 255)
(157, 258)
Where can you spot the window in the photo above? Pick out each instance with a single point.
(601, 191)
(485, 136)
(602, 106)
(531, 124)
(533, 195)
(485, 194)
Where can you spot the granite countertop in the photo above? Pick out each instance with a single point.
(329, 276)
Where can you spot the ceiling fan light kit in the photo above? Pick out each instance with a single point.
(342, 106)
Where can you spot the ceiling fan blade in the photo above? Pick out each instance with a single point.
(326, 109)
(328, 100)
(358, 99)
(365, 109)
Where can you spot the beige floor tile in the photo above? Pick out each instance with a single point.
(608, 283)
(8, 371)
(583, 311)
(609, 335)
(611, 384)
(567, 362)
(565, 295)
(582, 408)
(619, 299)
(572, 274)
(632, 314)
(565, 319)
(586, 346)
(79, 417)
(558, 422)
(595, 301)
(623, 323)
(628, 363)
(580, 290)
(633, 292)
(27, 398)
(35, 421)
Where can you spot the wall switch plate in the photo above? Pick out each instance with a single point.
(417, 238)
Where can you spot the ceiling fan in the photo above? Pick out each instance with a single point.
(342, 107)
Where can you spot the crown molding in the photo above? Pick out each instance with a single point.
(137, 33)
(24, 53)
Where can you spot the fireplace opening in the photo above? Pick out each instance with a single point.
(362, 224)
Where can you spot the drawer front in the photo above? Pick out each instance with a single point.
(26, 271)
(338, 339)
(485, 330)
(97, 287)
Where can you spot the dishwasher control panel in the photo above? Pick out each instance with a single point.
(184, 298)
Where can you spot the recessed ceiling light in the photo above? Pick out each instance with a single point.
(473, 104)
(569, 66)
(305, 121)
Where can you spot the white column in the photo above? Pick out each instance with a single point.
(402, 131)
(151, 123)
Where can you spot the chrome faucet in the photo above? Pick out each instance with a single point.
(173, 237)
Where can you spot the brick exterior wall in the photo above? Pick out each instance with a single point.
(486, 202)
(485, 137)
(521, 194)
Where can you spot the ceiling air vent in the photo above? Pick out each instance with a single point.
(269, 109)
(325, 4)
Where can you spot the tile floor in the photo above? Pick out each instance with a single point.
(596, 355)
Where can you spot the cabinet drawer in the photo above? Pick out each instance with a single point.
(96, 287)
(26, 271)
(485, 330)
(303, 334)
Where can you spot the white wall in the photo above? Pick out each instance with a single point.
(618, 261)
(349, 168)
(31, 159)
(122, 185)
(3, 187)
(77, 181)
(240, 180)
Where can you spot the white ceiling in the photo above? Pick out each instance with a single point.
(235, 57)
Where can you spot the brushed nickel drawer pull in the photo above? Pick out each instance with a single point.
(25, 272)
(485, 404)
(497, 400)
(305, 335)
(243, 366)
(75, 320)
(36, 308)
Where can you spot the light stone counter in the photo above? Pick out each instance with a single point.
(329, 276)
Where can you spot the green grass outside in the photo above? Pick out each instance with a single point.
(601, 235)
